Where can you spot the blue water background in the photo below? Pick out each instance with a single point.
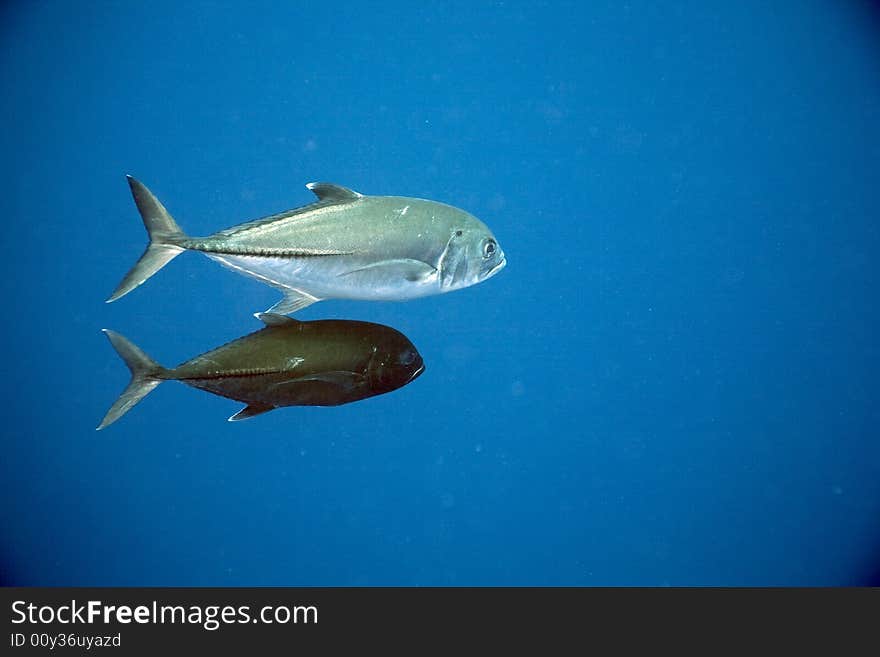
(674, 381)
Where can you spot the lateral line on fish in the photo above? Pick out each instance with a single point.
(236, 374)
(207, 247)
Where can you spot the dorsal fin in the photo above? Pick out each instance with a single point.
(273, 319)
(333, 193)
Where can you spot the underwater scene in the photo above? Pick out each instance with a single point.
(440, 293)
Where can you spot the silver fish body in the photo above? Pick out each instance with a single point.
(344, 246)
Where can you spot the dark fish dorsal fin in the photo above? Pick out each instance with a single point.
(274, 319)
(330, 193)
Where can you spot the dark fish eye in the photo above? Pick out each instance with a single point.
(489, 248)
(458, 233)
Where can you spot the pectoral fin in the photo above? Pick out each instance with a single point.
(341, 380)
(250, 411)
(400, 268)
(324, 389)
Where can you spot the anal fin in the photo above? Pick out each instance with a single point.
(251, 410)
(293, 300)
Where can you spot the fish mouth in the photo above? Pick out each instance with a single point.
(497, 268)
(417, 373)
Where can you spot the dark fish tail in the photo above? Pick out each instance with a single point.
(146, 374)
(165, 239)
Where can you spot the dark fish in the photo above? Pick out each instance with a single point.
(287, 363)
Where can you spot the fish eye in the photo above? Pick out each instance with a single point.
(459, 233)
(407, 357)
(489, 248)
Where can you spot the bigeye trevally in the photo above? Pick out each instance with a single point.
(287, 363)
(344, 246)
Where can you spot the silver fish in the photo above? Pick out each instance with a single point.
(344, 246)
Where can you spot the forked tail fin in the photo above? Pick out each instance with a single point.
(146, 374)
(165, 238)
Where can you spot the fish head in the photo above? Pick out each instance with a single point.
(472, 255)
(394, 365)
